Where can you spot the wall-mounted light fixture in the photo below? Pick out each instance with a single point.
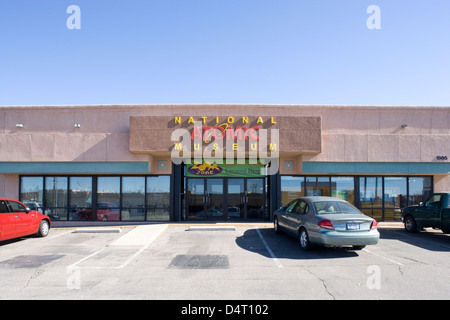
(404, 126)
(19, 125)
(77, 125)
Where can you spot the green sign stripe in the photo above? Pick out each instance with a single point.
(225, 170)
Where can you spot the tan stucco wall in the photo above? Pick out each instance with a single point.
(441, 183)
(298, 134)
(9, 186)
(375, 134)
(349, 133)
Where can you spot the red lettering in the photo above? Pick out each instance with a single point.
(219, 133)
(196, 133)
(251, 133)
(207, 133)
(239, 134)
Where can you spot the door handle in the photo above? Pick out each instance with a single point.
(17, 216)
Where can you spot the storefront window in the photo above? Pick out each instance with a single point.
(31, 193)
(149, 198)
(343, 188)
(56, 197)
(317, 186)
(80, 195)
(371, 192)
(419, 189)
(395, 197)
(291, 188)
(108, 198)
(133, 198)
(311, 187)
(117, 198)
(31, 189)
(323, 184)
(158, 198)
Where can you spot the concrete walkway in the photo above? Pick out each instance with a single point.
(125, 224)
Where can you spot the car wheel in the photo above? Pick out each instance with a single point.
(276, 226)
(304, 242)
(44, 228)
(410, 224)
(358, 247)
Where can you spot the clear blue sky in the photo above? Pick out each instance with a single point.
(225, 51)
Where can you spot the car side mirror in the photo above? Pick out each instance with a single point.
(27, 210)
(421, 204)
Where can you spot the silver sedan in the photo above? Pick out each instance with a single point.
(326, 221)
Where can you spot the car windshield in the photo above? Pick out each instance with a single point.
(327, 207)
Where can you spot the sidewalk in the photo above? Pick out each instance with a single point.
(262, 224)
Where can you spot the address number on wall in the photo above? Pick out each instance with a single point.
(441, 158)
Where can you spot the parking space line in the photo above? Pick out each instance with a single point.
(87, 257)
(51, 236)
(274, 258)
(382, 257)
(141, 236)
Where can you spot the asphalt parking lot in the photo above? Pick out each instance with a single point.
(180, 261)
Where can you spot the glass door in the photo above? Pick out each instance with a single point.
(195, 199)
(236, 199)
(226, 198)
(214, 198)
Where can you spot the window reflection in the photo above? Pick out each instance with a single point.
(158, 198)
(133, 198)
(108, 198)
(56, 197)
(395, 197)
(291, 188)
(149, 198)
(196, 198)
(343, 188)
(371, 193)
(31, 193)
(420, 189)
(117, 198)
(31, 189)
(80, 195)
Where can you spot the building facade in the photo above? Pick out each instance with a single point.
(116, 162)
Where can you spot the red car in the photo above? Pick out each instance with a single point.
(17, 220)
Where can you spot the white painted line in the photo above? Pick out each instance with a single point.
(51, 237)
(211, 228)
(274, 258)
(97, 230)
(124, 264)
(141, 235)
(382, 257)
(85, 258)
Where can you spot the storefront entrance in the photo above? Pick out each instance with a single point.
(226, 199)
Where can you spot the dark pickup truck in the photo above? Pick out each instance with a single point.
(434, 213)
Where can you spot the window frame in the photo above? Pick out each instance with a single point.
(94, 195)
